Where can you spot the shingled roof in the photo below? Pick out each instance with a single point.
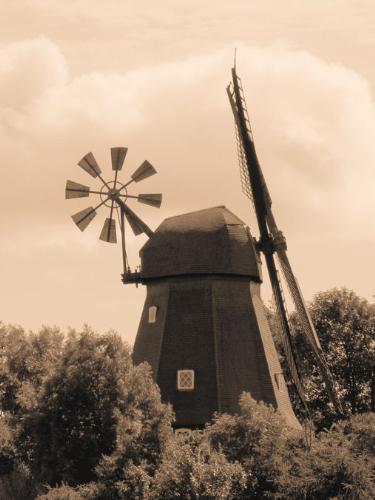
(210, 241)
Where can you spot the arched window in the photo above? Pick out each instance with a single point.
(152, 311)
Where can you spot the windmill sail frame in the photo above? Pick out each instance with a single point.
(271, 242)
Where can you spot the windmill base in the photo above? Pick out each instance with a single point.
(214, 330)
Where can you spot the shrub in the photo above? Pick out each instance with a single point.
(256, 438)
(192, 470)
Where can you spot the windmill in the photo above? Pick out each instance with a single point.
(204, 347)
(203, 328)
(271, 243)
(114, 196)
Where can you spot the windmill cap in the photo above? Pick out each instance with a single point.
(211, 241)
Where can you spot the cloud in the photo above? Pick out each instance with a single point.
(313, 123)
(28, 70)
(314, 126)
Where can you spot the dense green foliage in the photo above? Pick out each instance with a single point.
(79, 421)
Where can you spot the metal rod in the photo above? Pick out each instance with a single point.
(110, 220)
(124, 186)
(103, 181)
(86, 191)
(124, 256)
(139, 197)
(93, 210)
(116, 172)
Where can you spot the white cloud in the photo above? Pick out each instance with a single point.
(28, 69)
(313, 122)
(314, 126)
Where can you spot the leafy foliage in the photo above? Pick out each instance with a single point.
(194, 470)
(345, 324)
(278, 464)
(63, 492)
(257, 438)
(82, 406)
(79, 421)
(336, 466)
(142, 433)
(346, 328)
(25, 360)
(7, 448)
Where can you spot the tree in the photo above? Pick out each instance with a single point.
(346, 328)
(345, 324)
(16, 481)
(339, 465)
(143, 432)
(94, 407)
(72, 422)
(25, 361)
(258, 439)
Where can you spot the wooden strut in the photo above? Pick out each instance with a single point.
(128, 276)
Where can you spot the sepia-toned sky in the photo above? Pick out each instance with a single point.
(86, 75)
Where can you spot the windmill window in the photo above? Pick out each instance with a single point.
(185, 380)
(280, 381)
(152, 310)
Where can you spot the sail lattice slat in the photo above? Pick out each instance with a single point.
(244, 173)
(287, 345)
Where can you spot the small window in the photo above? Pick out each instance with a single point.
(185, 380)
(280, 382)
(152, 310)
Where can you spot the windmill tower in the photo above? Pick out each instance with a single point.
(203, 328)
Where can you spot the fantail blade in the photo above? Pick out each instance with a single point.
(75, 190)
(109, 231)
(150, 199)
(89, 164)
(118, 157)
(137, 224)
(84, 217)
(144, 171)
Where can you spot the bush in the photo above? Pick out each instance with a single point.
(257, 438)
(7, 448)
(18, 484)
(340, 464)
(279, 464)
(63, 492)
(192, 470)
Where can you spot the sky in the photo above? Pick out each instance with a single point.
(87, 75)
